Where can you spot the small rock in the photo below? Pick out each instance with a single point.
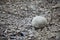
(39, 21)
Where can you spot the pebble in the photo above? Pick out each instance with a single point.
(39, 21)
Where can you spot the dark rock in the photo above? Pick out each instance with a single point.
(20, 34)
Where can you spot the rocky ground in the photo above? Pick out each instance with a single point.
(16, 17)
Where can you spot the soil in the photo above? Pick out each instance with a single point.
(16, 17)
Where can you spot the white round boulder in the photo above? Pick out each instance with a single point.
(39, 21)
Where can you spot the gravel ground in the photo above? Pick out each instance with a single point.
(16, 17)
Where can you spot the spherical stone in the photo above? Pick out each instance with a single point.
(39, 21)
